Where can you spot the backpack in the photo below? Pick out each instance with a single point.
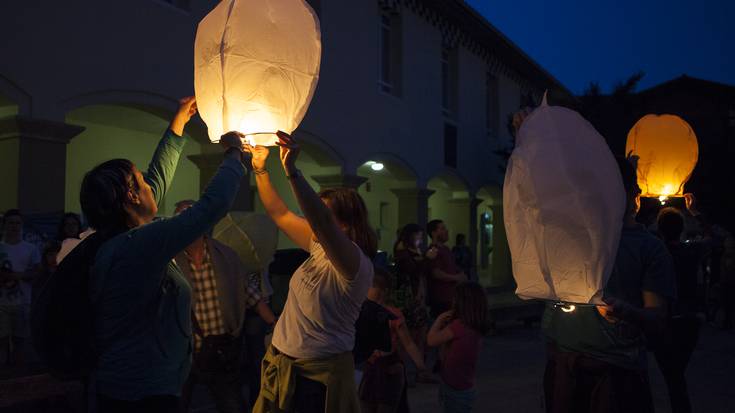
(61, 317)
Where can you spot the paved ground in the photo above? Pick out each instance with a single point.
(509, 377)
(512, 363)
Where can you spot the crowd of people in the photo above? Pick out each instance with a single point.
(164, 306)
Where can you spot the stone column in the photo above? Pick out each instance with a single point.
(37, 182)
(502, 271)
(339, 180)
(413, 205)
(474, 229)
(208, 163)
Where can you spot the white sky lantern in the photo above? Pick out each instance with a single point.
(256, 65)
(563, 201)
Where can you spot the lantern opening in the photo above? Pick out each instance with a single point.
(565, 307)
(261, 139)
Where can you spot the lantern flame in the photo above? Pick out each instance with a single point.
(568, 308)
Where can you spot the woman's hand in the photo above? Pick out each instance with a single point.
(232, 142)
(445, 318)
(259, 157)
(616, 310)
(289, 152)
(187, 109)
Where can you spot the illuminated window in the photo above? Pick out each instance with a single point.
(390, 53)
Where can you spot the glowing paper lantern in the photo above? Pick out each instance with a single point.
(256, 65)
(667, 150)
(563, 201)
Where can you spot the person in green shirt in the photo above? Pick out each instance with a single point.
(141, 303)
(596, 356)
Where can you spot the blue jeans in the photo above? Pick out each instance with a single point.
(455, 401)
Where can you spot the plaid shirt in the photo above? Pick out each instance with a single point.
(206, 309)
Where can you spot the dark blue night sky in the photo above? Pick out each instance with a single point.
(579, 41)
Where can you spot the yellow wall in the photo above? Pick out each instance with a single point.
(452, 208)
(99, 143)
(380, 194)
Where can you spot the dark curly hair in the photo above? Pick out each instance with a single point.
(104, 191)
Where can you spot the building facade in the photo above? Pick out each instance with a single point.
(422, 88)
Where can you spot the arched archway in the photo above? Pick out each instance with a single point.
(118, 127)
(135, 98)
(388, 177)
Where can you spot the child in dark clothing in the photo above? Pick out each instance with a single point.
(383, 387)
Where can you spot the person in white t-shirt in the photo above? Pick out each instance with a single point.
(21, 263)
(315, 335)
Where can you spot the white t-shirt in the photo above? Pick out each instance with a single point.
(319, 317)
(23, 256)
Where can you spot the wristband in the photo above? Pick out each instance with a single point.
(262, 171)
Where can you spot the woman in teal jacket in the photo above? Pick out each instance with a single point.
(141, 303)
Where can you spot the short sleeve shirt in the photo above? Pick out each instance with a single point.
(441, 291)
(318, 319)
(642, 264)
(460, 359)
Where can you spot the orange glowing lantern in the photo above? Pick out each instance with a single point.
(667, 150)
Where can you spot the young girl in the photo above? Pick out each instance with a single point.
(460, 331)
(383, 388)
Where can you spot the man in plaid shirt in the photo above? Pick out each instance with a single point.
(221, 293)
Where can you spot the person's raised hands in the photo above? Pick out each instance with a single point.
(290, 150)
(259, 157)
(187, 109)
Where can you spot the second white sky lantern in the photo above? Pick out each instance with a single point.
(256, 66)
(563, 201)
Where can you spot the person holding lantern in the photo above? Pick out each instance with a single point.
(309, 366)
(597, 355)
(140, 301)
(674, 348)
